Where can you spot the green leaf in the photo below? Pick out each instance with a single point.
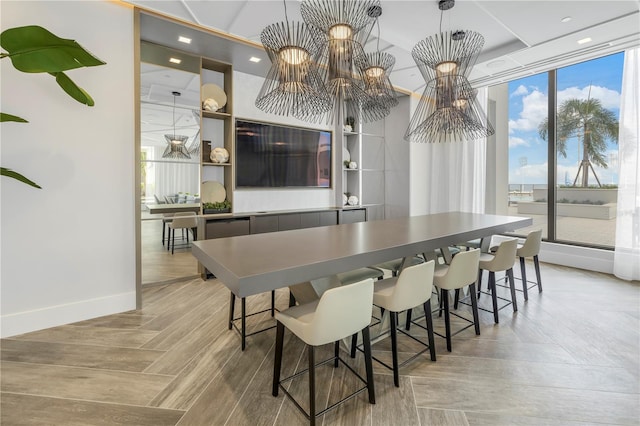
(73, 89)
(8, 117)
(35, 49)
(15, 175)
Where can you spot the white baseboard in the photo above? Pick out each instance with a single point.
(38, 319)
(591, 259)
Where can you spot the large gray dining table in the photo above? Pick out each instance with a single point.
(258, 263)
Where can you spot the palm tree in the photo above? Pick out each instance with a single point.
(589, 120)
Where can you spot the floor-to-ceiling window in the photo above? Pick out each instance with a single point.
(584, 170)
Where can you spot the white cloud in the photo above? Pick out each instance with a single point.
(534, 104)
(531, 173)
(521, 90)
(609, 98)
(515, 141)
(534, 110)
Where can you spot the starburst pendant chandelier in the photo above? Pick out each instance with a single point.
(293, 85)
(176, 144)
(339, 32)
(448, 109)
(319, 70)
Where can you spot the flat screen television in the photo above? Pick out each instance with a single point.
(276, 156)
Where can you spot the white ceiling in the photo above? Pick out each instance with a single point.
(522, 37)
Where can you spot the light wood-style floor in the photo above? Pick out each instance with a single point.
(569, 356)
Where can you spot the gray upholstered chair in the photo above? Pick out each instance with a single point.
(184, 221)
(502, 260)
(459, 274)
(339, 313)
(410, 289)
(530, 248)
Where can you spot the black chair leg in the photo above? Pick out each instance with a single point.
(512, 287)
(474, 308)
(394, 349)
(273, 303)
(456, 299)
(277, 364)
(312, 385)
(366, 341)
(354, 343)
(336, 353)
(536, 263)
(494, 295)
(173, 241)
(479, 282)
(232, 307)
(244, 321)
(523, 275)
(429, 321)
(408, 323)
(447, 321)
(164, 226)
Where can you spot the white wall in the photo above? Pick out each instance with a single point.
(245, 89)
(68, 250)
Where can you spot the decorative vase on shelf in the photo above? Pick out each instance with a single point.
(219, 155)
(347, 128)
(353, 165)
(353, 200)
(345, 199)
(210, 104)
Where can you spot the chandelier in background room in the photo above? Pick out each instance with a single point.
(176, 144)
(194, 147)
(320, 72)
(448, 109)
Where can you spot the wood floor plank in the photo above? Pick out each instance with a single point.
(81, 383)
(37, 410)
(219, 398)
(394, 405)
(78, 355)
(91, 335)
(558, 375)
(499, 397)
(192, 380)
(132, 319)
(171, 309)
(490, 419)
(201, 312)
(176, 358)
(442, 417)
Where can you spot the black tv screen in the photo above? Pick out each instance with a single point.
(274, 156)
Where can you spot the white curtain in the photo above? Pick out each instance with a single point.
(626, 264)
(457, 173)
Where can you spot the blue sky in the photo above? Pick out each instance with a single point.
(528, 107)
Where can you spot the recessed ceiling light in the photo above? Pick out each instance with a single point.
(254, 59)
(184, 39)
(566, 19)
(584, 40)
(175, 60)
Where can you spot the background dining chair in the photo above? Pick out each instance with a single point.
(339, 313)
(459, 274)
(184, 221)
(502, 260)
(410, 289)
(242, 331)
(530, 248)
